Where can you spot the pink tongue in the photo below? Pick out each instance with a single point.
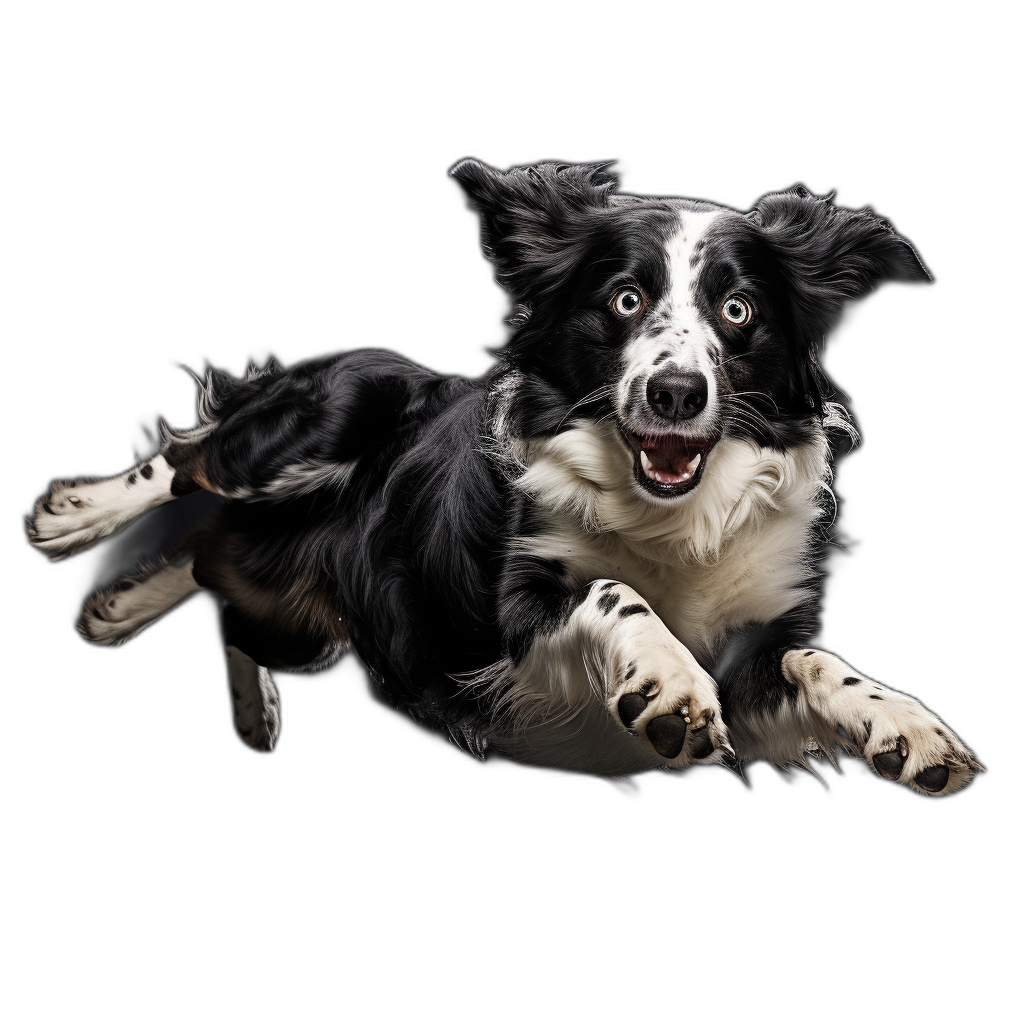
(667, 464)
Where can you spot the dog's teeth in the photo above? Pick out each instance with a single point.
(645, 462)
(695, 462)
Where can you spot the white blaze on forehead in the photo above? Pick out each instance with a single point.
(679, 301)
(676, 327)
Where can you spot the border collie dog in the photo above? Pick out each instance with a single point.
(604, 555)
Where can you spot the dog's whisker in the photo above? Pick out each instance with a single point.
(736, 395)
(606, 391)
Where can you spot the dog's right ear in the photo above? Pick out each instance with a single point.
(529, 215)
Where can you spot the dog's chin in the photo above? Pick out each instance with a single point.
(667, 465)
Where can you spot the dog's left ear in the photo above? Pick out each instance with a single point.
(528, 215)
(834, 254)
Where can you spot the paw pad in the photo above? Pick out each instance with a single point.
(632, 705)
(701, 743)
(890, 763)
(667, 734)
(934, 778)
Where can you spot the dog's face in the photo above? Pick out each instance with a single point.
(682, 321)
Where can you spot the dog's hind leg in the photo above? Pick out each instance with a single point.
(74, 514)
(117, 612)
(274, 434)
(254, 643)
(254, 700)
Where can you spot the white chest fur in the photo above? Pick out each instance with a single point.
(730, 554)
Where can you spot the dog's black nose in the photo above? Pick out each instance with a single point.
(677, 395)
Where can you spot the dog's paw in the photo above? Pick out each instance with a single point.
(116, 613)
(64, 520)
(255, 702)
(672, 706)
(903, 741)
(895, 733)
(75, 513)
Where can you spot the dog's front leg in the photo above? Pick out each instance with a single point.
(781, 696)
(603, 642)
(895, 733)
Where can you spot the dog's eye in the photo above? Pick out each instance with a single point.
(628, 302)
(737, 311)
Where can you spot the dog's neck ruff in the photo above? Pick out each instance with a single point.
(585, 474)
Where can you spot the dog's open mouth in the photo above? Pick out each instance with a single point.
(668, 464)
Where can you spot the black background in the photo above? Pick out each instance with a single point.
(172, 226)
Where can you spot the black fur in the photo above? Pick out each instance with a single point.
(749, 675)
(403, 545)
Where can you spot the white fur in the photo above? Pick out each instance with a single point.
(725, 555)
(875, 718)
(254, 700)
(502, 445)
(74, 515)
(300, 478)
(111, 616)
(593, 659)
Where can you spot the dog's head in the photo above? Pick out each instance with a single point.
(682, 320)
